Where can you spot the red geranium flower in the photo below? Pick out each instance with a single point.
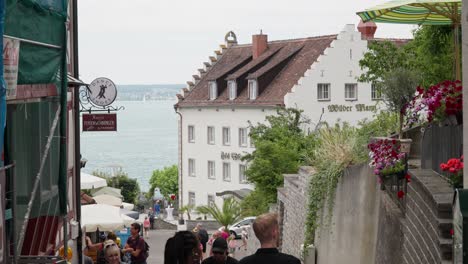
(400, 194)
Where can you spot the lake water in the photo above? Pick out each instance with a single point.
(146, 139)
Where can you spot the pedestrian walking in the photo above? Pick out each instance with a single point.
(112, 252)
(266, 229)
(151, 218)
(203, 235)
(232, 244)
(220, 253)
(244, 237)
(157, 208)
(182, 248)
(146, 226)
(136, 245)
(213, 237)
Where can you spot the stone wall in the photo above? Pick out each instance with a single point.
(428, 219)
(293, 200)
(390, 230)
(351, 235)
(420, 231)
(207, 224)
(367, 226)
(161, 224)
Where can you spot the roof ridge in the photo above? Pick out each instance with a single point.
(288, 40)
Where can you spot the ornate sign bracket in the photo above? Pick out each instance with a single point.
(98, 96)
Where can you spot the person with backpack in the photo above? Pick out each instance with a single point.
(203, 235)
(136, 245)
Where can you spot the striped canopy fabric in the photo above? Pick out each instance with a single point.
(421, 12)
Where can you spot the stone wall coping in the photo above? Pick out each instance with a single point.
(439, 189)
(292, 178)
(307, 170)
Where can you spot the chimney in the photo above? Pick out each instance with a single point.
(259, 44)
(367, 29)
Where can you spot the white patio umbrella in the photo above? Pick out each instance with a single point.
(89, 181)
(108, 199)
(128, 206)
(103, 217)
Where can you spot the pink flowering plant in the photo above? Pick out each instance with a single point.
(386, 158)
(435, 103)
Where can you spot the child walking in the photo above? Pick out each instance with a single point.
(146, 225)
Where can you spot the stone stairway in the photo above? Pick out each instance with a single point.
(429, 190)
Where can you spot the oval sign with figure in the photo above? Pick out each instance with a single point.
(102, 91)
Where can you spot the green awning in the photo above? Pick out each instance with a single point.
(421, 12)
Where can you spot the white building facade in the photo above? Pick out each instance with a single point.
(213, 140)
(329, 91)
(246, 83)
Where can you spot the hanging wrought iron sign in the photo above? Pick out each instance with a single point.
(98, 96)
(102, 91)
(99, 122)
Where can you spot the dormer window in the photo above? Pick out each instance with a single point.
(213, 90)
(253, 89)
(232, 90)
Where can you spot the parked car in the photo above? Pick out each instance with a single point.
(236, 228)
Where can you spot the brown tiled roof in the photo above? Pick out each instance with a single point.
(288, 61)
(255, 63)
(86, 199)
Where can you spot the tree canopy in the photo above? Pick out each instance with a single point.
(430, 53)
(129, 187)
(166, 180)
(280, 147)
(227, 215)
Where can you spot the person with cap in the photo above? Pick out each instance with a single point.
(220, 253)
(266, 229)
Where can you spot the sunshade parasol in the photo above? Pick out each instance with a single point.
(89, 181)
(421, 12)
(107, 190)
(103, 217)
(108, 199)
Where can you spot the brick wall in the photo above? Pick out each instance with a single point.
(428, 219)
(293, 210)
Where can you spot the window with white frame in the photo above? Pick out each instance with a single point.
(376, 93)
(226, 136)
(191, 134)
(232, 89)
(213, 90)
(191, 198)
(242, 177)
(323, 91)
(211, 200)
(253, 90)
(210, 135)
(211, 169)
(191, 167)
(242, 137)
(351, 91)
(226, 171)
(251, 142)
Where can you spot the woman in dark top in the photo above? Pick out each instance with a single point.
(182, 248)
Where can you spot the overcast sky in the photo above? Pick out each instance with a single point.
(162, 42)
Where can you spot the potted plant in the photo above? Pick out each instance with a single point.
(388, 160)
(454, 167)
(440, 103)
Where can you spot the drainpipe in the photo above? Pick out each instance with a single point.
(76, 103)
(181, 193)
(62, 181)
